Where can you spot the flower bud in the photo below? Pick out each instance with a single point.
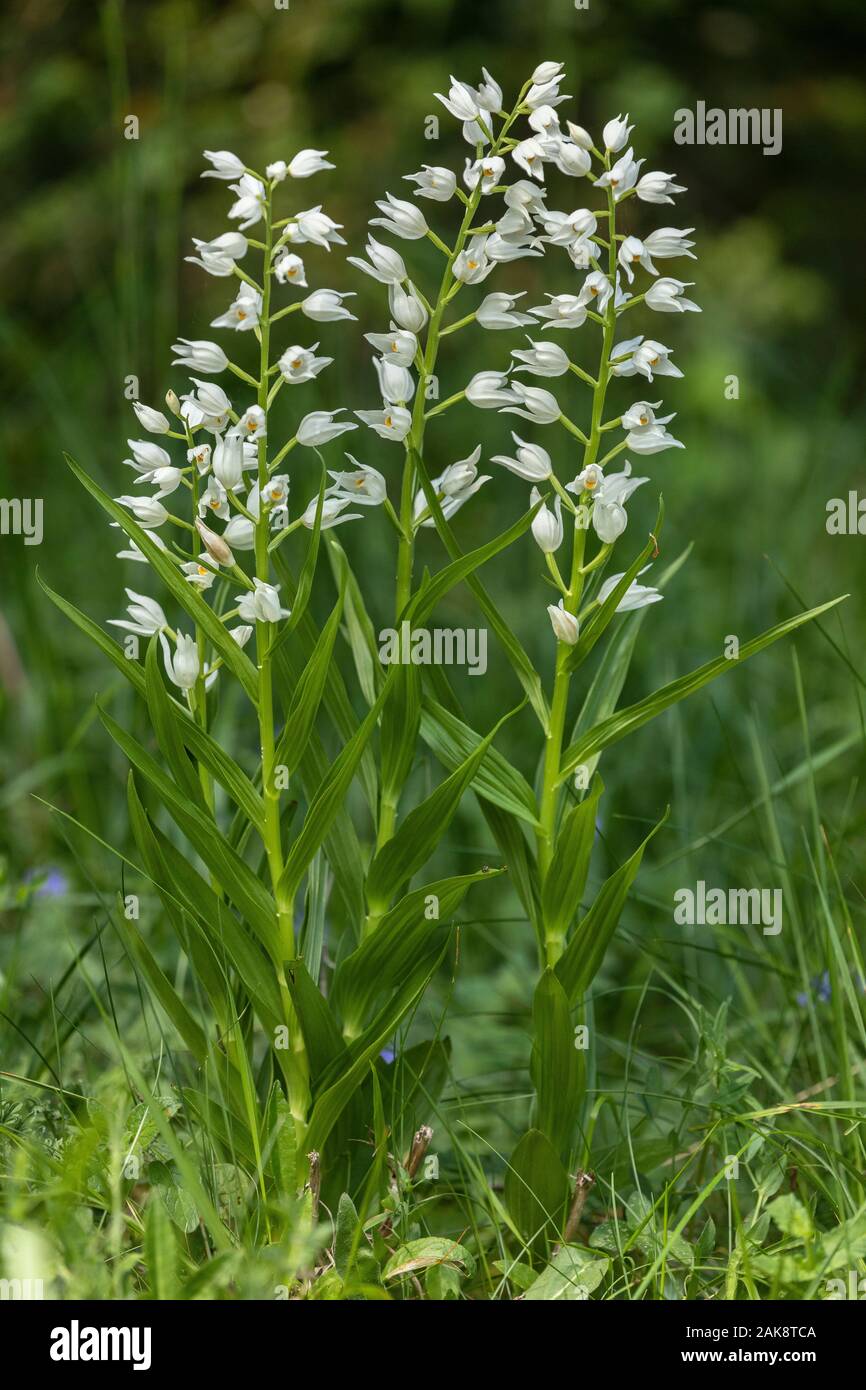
(173, 403)
(214, 544)
(565, 625)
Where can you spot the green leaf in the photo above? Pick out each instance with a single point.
(422, 604)
(328, 801)
(392, 951)
(361, 632)
(536, 1188)
(163, 991)
(160, 1250)
(556, 1070)
(496, 780)
(626, 721)
(236, 877)
(401, 716)
(187, 596)
(165, 727)
(523, 667)
(308, 694)
(566, 878)
(201, 745)
(416, 1255)
(422, 829)
(344, 1084)
(322, 1038)
(582, 958)
(595, 625)
(791, 1216)
(347, 1235)
(570, 1277)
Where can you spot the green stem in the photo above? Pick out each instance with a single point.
(297, 1067)
(548, 808)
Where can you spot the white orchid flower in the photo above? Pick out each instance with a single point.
(363, 484)
(199, 354)
(542, 359)
(534, 404)
(666, 296)
(406, 308)
(393, 422)
(320, 426)
(402, 219)
(434, 182)
(289, 270)
(299, 364)
(667, 242)
(615, 134)
(151, 420)
(182, 667)
(635, 596)
(326, 306)
(147, 511)
(386, 264)
(497, 311)
(145, 615)
(656, 187)
(225, 165)
(531, 461)
(563, 311)
(262, 605)
(399, 346)
(546, 524)
(243, 312)
(565, 625)
(314, 226)
(490, 390)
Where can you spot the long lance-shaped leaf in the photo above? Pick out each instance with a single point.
(187, 596)
(199, 949)
(414, 841)
(423, 603)
(359, 624)
(328, 801)
(200, 743)
(556, 1067)
(598, 620)
(236, 877)
(323, 1041)
(308, 695)
(331, 1103)
(625, 721)
(166, 730)
(523, 667)
(496, 780)
(291, 660)
(582, 958)
(603, 695)
(164, 992)
(210, 917)
(566, 878)
(391, 952)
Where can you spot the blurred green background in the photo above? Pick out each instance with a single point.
(95, 290)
